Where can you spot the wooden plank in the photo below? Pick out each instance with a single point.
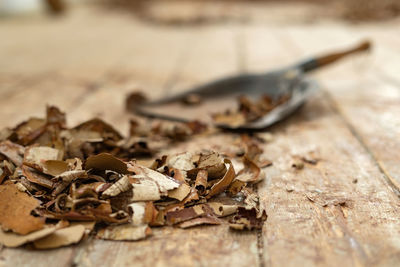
(199, 246)
(306, 223)
(366, 99)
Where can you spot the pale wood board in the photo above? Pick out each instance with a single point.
(352, 126)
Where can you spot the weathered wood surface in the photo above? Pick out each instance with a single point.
(342, 211)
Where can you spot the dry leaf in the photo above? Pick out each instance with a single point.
(35, 157)
(55, 167)
(247, 219)
(61, 237)
(125, 232)
(142, 213)
(180, 193)
(201, 181)
(106, 161)
(15, 211)
(122, 185)
(250, 173)
(13, 152)
(224, 183)
(222, 210)
(200, 221)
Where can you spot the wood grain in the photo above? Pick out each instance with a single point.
(325, 214)
(342, 211)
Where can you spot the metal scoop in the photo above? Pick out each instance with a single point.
(221, 95)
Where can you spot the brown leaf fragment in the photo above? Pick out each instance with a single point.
(29, 130)
(61, 237)
(100, 126)
(233, 119)
(37, 178)
(12, 151)
(235, 187)
(225, 181)
(213, 163)
(145, 190)
(178, 216)
(191, 163)
(55, 116)
(63, 180)
(13, 240)
(35, 157)
(125, 232)
(191, 197)
(134, 99)
(200, 221)
(246, 219)
(142, 213)
(222, 210)
(164, 182)
(55, 167)
(250, 173)
(180, 193)
(181, 215)
(6, 169)
(15, 210)
(122, 185)
(201, 181)
(106, 161)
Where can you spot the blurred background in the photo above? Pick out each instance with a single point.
(87, 55)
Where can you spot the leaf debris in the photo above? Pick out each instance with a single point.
(58, 184)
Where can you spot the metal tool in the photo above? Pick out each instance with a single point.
(221, 95)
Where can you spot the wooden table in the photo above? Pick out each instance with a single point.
(344, 211)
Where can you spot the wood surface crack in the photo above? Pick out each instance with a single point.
(393, 184)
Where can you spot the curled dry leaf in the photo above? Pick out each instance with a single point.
(142, 213)
(61, 237)
(106, 161)
(15, 211)
(125, 232)
(251, 173)
(122, 185)
(222, 210)
(201, 181)
(224, 183)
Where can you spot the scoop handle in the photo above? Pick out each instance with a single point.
(315, 63)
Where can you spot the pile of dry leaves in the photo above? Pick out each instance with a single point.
(59, 185)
